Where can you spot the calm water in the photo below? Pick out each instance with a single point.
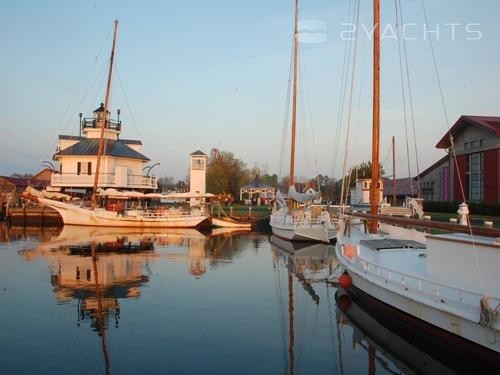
(181, 302)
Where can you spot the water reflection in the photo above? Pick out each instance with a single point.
(150, 302)
(98, 267)
(306, 264)
(13, 234)
(386, 347)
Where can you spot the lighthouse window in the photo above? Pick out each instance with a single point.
(84, 168)
(198, 164)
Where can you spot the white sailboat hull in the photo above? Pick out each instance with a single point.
(76, 215)
(449, 307)
(285, 226)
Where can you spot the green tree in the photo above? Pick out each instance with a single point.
(271, 180)
(225, 173)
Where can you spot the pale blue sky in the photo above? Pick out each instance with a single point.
(204, 74)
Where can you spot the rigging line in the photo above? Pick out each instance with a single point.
(303, 89)
(403, 92)
(62, 124)
(442, 101)
(85, 78)
(343, 88)
(410, 97)
(307, 124)
(132, 117)
(309, 106)
(344, 168)
(286, 118)
(453, 151)
(100, 90)
(387, 155)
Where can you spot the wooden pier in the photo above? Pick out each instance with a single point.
(32, 216)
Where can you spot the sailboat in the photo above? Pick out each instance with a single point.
(296, 218)
(108, 207)
(446, 286)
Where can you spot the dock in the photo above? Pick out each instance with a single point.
(32, 216)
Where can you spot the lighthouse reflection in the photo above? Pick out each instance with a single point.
(99, 267)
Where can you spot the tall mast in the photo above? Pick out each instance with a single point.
(294, 94)
(104, 123)
(374, 192)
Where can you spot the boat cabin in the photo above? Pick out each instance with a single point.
(360, 194)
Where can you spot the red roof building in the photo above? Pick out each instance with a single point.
(470, 169)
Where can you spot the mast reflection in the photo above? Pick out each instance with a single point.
(308, 264)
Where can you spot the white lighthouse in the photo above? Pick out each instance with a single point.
(197, 174)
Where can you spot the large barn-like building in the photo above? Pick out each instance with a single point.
(472, 170)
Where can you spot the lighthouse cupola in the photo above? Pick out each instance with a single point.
(91, 127)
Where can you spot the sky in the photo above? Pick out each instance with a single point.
(215, 74)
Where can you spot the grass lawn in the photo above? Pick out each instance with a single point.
(242, 210)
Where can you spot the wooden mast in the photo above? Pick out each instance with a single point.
(105, 119)
(374, 192)
(294, 95)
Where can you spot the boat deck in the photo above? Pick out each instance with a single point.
(406, 256)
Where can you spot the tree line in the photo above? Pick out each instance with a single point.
(226, 174)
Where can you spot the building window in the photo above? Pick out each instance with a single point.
(198, 164)
(84, 168)
(475, 177)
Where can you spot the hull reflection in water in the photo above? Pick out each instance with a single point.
(99, 267)
(393, 345)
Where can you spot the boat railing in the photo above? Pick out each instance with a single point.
(434, 225)
(442, 292)
(138, 181)
(106, 180)
(169, 213)
(94, 123)
(301, 217)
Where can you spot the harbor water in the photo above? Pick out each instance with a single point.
(98, 301)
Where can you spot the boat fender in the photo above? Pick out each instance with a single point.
(345, 280)
(344, 302)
